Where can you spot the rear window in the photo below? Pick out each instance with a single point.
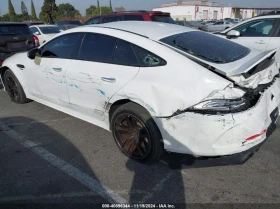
(133, 17)
(14, 30)
(49, 30)
(207, 47)
(165, 19)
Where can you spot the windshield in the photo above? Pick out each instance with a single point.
(207, 47)
(165, 19)
(49, 30)
(14, 30)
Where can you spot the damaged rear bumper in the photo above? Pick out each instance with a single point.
(221, 135)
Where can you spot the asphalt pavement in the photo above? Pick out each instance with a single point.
(49, 157)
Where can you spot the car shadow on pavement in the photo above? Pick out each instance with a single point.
(40, 165)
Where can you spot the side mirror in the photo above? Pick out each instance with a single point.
(37, 33)
(233, 34)
(32, 53)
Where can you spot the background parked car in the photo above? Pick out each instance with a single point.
(140, 15)
(45, 32)
(262, 32)
(187, 24)
(14, 37)
(218, 26)
(68, 22)
(31, 22)
(67, 27)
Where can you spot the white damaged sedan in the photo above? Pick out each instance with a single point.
(156, 86)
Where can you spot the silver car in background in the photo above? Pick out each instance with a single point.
(218, 26)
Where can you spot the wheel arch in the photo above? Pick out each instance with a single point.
(112, 107)
(2, 72)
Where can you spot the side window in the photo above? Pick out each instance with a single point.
(62, 47)
(112, 19)
(97, 48)
(96, 20)
(133, 17)
(278, 35)
(147, 59)
(124, 54)
(257, 28)
(34, 30)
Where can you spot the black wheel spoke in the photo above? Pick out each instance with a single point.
(132, 136)
(129, 122)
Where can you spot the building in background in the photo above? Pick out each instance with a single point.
(205, 10)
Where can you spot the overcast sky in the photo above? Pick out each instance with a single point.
(81, 5)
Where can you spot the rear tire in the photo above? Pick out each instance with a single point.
(136, 133)
(14, 88)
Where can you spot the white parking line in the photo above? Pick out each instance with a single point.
(75, 173)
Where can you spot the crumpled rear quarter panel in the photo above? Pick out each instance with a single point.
(215, 135)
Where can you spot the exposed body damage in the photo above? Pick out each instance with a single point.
(212, 135)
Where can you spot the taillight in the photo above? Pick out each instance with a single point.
(36, 41)
(1, 63)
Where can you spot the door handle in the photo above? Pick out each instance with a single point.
(110, 80)
(57, 69)
(260, 42)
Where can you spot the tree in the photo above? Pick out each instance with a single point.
(66, 10)
(24, 10)
(98, 7)
(33, 12)
(119, 9)
(111, 8)
(91, 11)
(49, 12)
(106, 10)
(12, 12)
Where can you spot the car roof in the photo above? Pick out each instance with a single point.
(12, 23)
(43, 26)
(152, 30)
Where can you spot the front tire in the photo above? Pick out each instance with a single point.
(14, 88)
(136, 133)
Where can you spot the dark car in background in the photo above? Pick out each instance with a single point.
(14, 38)
(68, 22)
(139, 15)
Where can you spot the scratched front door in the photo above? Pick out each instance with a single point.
(93, 79)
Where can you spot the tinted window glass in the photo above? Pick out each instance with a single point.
(62, 47)
(257, 28)
(219, 23)
(278, 33)
(34, 30)
(133, 17)
(14, 30)
(147, 59)
(112, 19)
(93, 21)
(49, 30)
(165, 19)
(97, 48)
(208, 47)
(124, 54)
